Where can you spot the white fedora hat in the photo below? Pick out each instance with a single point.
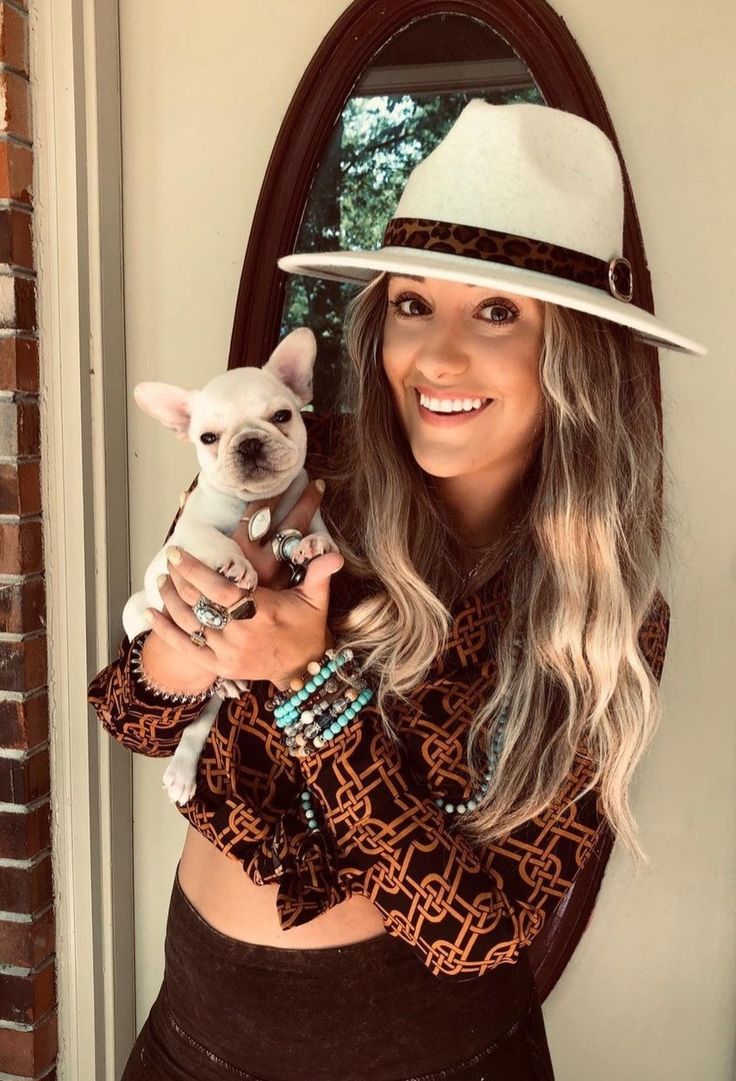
(521, 197)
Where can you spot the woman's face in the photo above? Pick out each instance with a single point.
(452, 340)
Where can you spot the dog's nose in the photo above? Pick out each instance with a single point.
(250, 447)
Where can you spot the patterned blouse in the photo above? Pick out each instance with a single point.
(463, 909)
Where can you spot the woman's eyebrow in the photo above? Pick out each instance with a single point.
(417, 278)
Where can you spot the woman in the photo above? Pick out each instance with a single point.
(492, 731)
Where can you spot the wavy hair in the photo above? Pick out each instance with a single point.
(582, 558)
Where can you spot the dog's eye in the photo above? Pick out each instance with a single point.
(209, 437)
(282, 416)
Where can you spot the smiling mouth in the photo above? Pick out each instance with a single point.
(454, 414)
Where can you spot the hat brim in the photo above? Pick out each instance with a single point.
(359, 267)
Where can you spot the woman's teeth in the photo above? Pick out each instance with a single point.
(452, 405)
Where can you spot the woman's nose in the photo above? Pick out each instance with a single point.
(440, 358)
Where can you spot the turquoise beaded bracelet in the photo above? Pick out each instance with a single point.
(307, 715)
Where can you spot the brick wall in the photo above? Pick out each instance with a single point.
(28, 1033)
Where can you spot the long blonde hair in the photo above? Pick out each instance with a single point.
(582, 556)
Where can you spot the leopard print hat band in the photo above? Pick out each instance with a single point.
(474, 242)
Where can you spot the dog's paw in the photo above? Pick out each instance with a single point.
(313, 545)
(233, 688)
(241, 571)
(180, 781)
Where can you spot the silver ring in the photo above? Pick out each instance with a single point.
(258, 523)
(198, 638)
(284, 542)
(210, 614)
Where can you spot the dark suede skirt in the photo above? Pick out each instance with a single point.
(368, 1011)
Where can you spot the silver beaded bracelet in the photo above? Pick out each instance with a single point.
(309, 713)
(172, 696)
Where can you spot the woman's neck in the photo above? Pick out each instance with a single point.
(479, 521)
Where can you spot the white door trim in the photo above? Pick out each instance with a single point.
(77, 223)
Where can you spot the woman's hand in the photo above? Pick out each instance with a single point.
(290, 625)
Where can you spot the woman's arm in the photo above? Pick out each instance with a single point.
(464, 909)
(140, 719)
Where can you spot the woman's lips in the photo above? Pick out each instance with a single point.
(449, 420)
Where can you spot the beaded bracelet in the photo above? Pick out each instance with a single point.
(173, 696)
(307, 715)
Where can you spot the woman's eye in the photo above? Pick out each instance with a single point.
(501, 312)
(396, 305)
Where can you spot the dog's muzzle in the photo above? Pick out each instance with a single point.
(250, 447)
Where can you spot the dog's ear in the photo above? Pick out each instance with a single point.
(170, 404)
(292, 362)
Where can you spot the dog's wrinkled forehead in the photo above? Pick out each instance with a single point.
(241, 393)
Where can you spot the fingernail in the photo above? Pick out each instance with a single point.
(148, 615)
(161, 579)
(173, 555)
(319, 485)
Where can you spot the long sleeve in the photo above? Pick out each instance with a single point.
(464, 909)
(139, 719)
(247, 804)
(654, 635)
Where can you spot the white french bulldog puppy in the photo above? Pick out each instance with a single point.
(251, 444)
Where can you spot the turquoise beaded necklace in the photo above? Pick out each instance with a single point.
(472, 802)
(495, 750)
(445, 805)
(493, 755)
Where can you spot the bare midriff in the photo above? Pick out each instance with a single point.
(233, 904)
